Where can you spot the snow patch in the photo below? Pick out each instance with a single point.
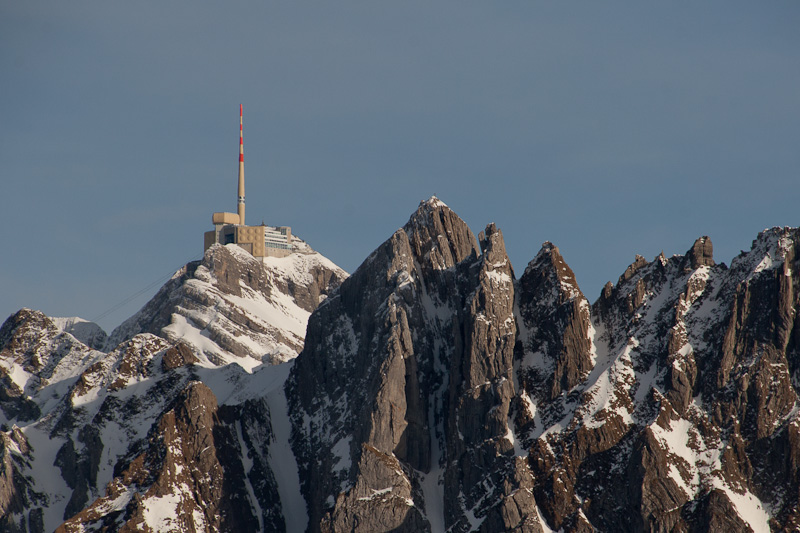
(375, 494)
(160, 512)
(433, 201)
(281, 457)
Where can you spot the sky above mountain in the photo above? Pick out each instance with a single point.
(610, 129)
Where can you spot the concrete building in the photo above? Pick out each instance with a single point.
(230, 228)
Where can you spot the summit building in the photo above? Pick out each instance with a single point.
(230, 228)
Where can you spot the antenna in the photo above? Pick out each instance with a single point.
(240, 202)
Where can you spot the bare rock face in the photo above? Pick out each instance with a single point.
(178, 356)
(186, 460)
(131, 439)
(231, 305)
(554, 327)
(426, 329)
(690, 406)
(668, 405)
(19, 501)
(33, 351)
(701, 253)
(434, 393)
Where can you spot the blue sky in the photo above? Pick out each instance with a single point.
(610, 129)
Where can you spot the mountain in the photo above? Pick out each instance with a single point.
(116, 438)
(232, 307)
(435, 391)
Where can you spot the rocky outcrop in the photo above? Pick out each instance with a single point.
(434, 393)
(231, 305)
(426, 329)
(121, 441)
(690, 406)
(700, 254)
(187, 475)
(34, 353)
(20, 509)
(667, 405)
(178, 356)
(554, 328)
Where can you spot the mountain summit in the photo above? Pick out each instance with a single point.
(233, 307)
(435, 391)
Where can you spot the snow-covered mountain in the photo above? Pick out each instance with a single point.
(435, 391)
(232, 307)
(166, 428)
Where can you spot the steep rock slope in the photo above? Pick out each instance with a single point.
(399, 402)
(231, 307)
(157, 434)
(145, 438)
(688, 404)
(435, 392)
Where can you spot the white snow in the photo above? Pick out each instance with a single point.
(85, 331)
(748, 507)
(433, 491)
(500, 280)
(280, 311)
(281, 321)
(433, 201)
(281, 457)
(46, 477)
(765, 264)
(65, 357)
(607, 381)
(298, 267)
(674, 439)
(117, 504)
(511, 437)
(160, 512)
(17, 374)
(376, 493)
(474, 521)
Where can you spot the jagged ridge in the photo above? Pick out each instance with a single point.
(435, 392)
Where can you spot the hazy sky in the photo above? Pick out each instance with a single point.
(608, 128)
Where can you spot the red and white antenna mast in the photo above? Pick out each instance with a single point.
(240, 202)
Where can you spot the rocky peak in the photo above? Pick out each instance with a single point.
(701, 253)
(186, 460)
(439, 238)
(426, 328)
(232, 307)
(554, 329)
(25, 337)
(633, 268)
(34, 355)
(434, 392)
(773, 248)
(687, 364)
(549, 270)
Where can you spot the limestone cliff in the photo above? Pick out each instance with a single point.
(435, 391)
